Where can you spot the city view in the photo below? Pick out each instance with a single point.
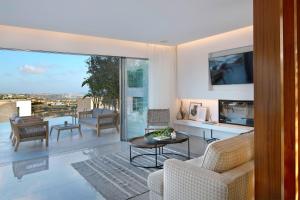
(43, 105)
(52, 84)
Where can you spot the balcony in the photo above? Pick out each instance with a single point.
(68, 141)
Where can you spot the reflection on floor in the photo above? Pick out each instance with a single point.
(23, 167)
(50, 177)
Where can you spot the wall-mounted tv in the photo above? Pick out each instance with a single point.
(236, 112)
(233, 66)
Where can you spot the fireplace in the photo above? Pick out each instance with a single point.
(236, 112)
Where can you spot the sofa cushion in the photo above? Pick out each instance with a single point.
(35, 131)
(93, 121)
(96, 112)
(100, 111)
(107, 111)
(155, 182)
(106, 121)
(227, 154)
(18, 120)
(89, 121)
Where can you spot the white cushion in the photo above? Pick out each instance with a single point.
(227, 154)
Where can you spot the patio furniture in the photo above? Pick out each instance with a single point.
(62, 127)
(147, 142)
(28, 129)
(224, 172)
(24, 119)
(99, 119)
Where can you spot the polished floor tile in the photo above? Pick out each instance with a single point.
(51, 177)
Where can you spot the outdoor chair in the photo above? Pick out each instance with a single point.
(99, 119)
(28, 129)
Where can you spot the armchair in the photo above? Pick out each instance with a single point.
(28, 129)
(224, 172)
(99, 119)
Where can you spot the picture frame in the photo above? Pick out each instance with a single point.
(197, 112)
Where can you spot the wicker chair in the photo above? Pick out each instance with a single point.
(157, 118)
(28, 129)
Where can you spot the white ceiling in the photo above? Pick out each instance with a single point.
(152, 21)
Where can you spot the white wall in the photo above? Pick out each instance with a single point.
(192, 67)
(162, 58)
(24, 108)
(162, 77)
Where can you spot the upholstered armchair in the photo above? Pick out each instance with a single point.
(224, 172)
(28, 129)
(99, 119)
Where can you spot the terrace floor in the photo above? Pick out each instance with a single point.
(68, 141)
(56, 178)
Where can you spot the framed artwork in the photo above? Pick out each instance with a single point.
(197, 112)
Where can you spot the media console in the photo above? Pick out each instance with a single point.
(220, 127)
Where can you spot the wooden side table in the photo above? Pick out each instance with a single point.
(62, 127)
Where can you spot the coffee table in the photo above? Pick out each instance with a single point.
(62, 127)
(147, 142)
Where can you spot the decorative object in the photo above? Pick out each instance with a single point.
(197, 112)
(182, 113)
(163, 133)
(173, 135)
(66, 123)
(233, 66)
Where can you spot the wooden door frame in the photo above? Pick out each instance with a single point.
(276, 98)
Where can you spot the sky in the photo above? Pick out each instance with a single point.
(37, 72)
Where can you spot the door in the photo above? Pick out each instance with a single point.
(134, 97)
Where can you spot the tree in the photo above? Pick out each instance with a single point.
(103, 81)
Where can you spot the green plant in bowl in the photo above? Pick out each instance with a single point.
(166, 132)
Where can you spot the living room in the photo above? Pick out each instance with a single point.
(193, 89)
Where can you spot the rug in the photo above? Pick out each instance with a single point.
(114, 177)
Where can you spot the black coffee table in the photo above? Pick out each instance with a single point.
(147, 142)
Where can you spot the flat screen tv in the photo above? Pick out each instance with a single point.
(236, 112)
(236, 68)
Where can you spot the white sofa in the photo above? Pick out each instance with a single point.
(225, 171)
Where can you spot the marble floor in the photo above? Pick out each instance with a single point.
(39, 173)
(53, 177)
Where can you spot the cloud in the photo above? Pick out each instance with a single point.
(29, 69)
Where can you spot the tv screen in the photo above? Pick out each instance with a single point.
(231, 69)
(236, 112)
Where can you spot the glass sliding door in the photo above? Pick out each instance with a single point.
(135, 97)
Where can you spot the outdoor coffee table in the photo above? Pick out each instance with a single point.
(147, 142)
(62, 127)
